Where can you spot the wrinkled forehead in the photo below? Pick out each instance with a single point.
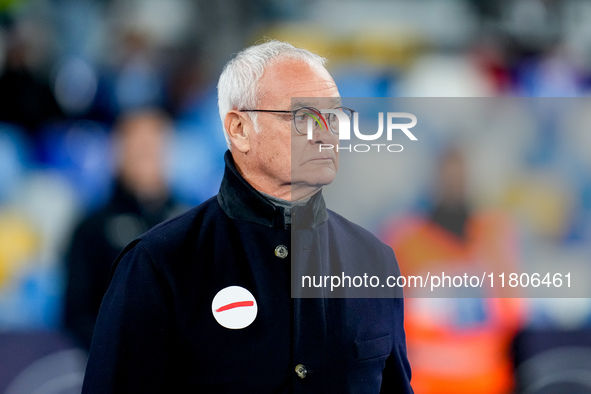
(289, 79)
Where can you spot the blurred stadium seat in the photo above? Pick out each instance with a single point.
(42, 362)
(81, 152)
(14, 158)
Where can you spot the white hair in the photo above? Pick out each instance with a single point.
(238, 83)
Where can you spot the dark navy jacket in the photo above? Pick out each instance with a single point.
(156, 332)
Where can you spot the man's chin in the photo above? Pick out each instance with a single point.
(315, 179)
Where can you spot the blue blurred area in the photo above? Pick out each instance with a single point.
(14, 158)
(81, 151)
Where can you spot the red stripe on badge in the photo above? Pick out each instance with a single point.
(235, 305)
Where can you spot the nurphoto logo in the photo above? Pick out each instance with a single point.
(338, 120)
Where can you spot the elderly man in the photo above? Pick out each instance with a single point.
(202, 302)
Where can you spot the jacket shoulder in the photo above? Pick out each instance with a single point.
(177, 229)
(173, 238)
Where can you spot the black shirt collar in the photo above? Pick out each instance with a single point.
(240, 201)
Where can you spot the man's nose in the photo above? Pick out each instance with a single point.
(321, 132)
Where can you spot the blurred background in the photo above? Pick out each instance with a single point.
(80, 80)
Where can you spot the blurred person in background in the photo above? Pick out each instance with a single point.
(26, 98)
(458, 345)
(202, 302)
(139, 201)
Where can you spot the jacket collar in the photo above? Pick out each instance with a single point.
(240, 201)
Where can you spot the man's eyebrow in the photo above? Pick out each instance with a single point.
(326, 103)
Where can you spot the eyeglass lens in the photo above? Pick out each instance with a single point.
(311, 117)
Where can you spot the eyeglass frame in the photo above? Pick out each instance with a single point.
(293, 112)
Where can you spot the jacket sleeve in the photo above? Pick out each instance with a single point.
(397, 373)
(129, 351)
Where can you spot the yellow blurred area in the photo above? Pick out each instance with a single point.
(18, 243)
(544, 203)
(7, 4)
(385, 46)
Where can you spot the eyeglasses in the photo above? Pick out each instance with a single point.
(307, 116)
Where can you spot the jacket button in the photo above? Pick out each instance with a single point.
(301, 371)
(281, 251)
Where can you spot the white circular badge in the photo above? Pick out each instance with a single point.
(234, 307)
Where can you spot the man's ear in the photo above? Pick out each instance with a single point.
(238, 130)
